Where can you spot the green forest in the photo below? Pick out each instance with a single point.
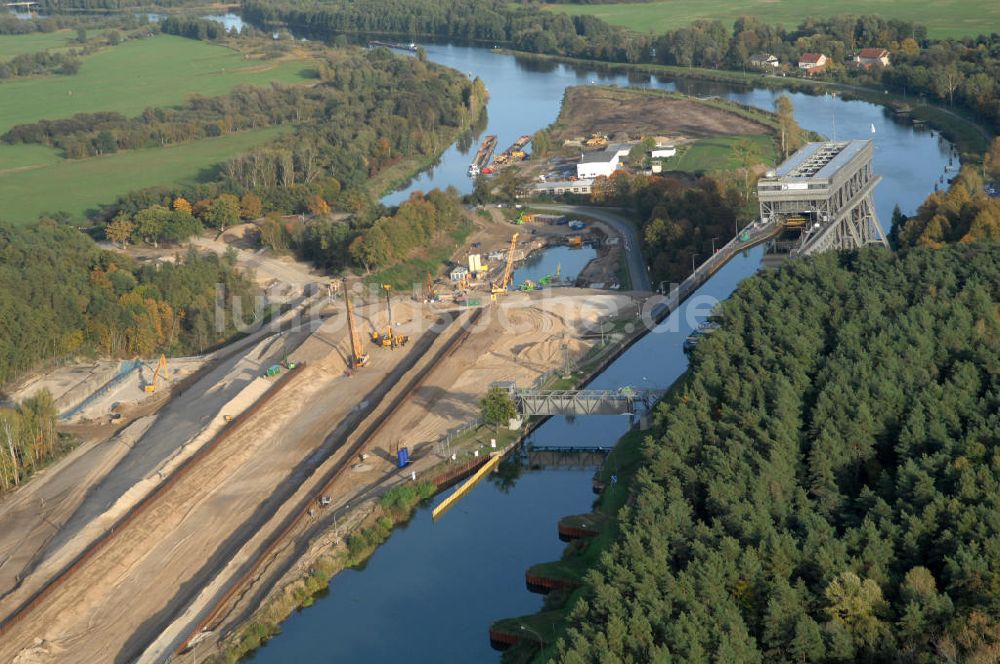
(823, 486)
(61, 295)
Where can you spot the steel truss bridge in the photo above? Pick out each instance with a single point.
(546, 403)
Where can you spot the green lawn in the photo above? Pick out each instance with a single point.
(75, 185)
(159, 71)
(943, 18)
(716, 153)
(11, 45)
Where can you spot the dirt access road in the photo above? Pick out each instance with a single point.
(637, 270)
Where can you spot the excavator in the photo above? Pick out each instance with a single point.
(358, 357)
(389, 339)
(501, 285)
(161, 369)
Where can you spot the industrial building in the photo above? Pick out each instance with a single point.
(595, 164)
(560, 187)
(822, 197)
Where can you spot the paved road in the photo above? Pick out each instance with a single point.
(638, 273)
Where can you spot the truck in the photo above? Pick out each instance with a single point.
(273, 370)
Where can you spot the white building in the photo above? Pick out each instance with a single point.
(664, 152)
(595, 164)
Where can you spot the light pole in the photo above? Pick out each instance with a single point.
(541, 641)
(713, 243)
(693, 256)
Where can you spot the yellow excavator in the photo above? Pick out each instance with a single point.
(389, 339)
(358, 356)
(504, 281)
(161, 370)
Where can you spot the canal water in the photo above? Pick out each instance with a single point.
(568, 261)
(430, 593)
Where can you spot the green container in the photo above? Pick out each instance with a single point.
(744, 236)
(273, 370)
(471, 303)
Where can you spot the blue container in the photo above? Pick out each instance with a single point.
(403, 457)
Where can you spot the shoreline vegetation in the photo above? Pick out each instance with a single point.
(969, 135)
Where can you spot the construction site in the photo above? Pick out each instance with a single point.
(202, 484)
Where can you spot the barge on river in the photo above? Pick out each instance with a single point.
(483, 155)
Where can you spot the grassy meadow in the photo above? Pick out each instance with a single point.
(127, 78)
(716, 153)
(13, 45)
(943, 18)
(159, 71)
(76, 185)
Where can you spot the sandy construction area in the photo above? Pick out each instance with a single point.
(150, 576)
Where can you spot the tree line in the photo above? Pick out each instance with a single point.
(963, 213)
(370, 242)
(957, 71)
(823, 485)
(370, 110)
(61, 296)
(28, 439)
(42, 62)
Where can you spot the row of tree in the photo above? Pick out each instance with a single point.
(824, 485)
(28, 439)
(42, 62)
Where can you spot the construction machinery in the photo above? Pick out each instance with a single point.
(501, 285)
(431, 296)
(161, 369)
(390, 339)
(596, 141)
(358, 357)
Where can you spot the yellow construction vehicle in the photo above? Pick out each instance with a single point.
(390, 339)
(161, 369)
(358, 357)
(431, 297)
(501, 285)
(596, 141)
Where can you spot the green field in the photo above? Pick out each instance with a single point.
(716, 153)
(11, 45)
(76, 185)
(943, 18)
(159, 71)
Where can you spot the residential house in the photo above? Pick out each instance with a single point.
(764, 61)
(813, 63)
(872, 57)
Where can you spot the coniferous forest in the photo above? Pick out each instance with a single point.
(824, 485)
